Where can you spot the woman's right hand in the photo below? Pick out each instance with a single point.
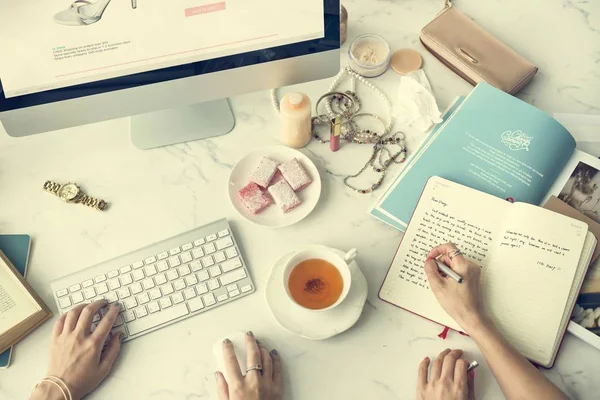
(461, 301)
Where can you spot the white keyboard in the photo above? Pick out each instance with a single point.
(163, 283)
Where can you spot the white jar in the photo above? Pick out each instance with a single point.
(369, 55)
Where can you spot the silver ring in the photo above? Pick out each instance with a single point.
(454, 253)
(257, 367)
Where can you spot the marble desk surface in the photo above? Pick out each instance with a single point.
(159, 193)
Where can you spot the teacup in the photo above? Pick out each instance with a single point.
(320, 276)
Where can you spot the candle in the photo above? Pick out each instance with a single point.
(296, 120)
(369, 55)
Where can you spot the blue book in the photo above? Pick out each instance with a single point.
(500, 145)
(16, 248)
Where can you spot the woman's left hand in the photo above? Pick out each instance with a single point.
(448, 379)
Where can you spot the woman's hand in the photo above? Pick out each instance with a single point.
(76, 354)
(448, 379)
(461, 301)
(255, 385)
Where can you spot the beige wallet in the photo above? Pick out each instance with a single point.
(474, 54)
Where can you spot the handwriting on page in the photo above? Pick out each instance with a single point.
(516, 240)
(438, 227)
(6, 302)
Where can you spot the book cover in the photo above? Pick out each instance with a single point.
(16, 248)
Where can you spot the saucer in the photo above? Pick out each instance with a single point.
(315, 325)
(273, 216)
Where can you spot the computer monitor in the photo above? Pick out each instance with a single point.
(168, 64)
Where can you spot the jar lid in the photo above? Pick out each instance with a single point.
(406, 60)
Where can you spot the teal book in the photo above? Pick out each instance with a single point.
(16, 248)
(498, 144)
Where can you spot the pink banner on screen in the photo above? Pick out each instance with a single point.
(205, 9)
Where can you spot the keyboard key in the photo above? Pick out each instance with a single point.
(62, 292)
(199, 242)
(101, 288)
(64, 302)
(196, 265)
(231, 288)
(197, 253)
(232, 264)
(88, 283)
(138, 275)
(177, 298)
(234, 293)
(195, 304)
(111, 297)
(165, 302)
(100, 278)
(179, 284)
(220, 256)
(210, 248)
(212, 237)
(214, 271)
(213, 284)
(231, 252)
(233, 277)
(209, 299)
(163, 256)
(174, 262)
(123, 293)
(150, 270)
(201, 288)
(187, 246)
(74, 288)
(175, 250)
(126, 279)
(77, 297)
(155, 294)
(119, 330)
(138, 326)
(191, 280)
(203, 276)
(189, 293)
(114, 284)
(153, 307)
(172, 275)
(125, 269)
(160, 279)
(223, 233)
(208, 261)
(148, 284)
(167, 289)
(224, 243)
(184, 270)
(143, 298)
(136, 288)
(89, 293)
(222, 297)
(118, 321)
(150, 260)
(113, 274)
(138, 264)
(121, 307)
(130, 303)
(140, 312)
(162, 266)
(128, 316)
(186, 257)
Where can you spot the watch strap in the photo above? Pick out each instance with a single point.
(52, 187)
(93, 202)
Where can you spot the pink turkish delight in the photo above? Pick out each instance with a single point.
(264, 172)
(295, 175)
(254, 198)
(276, 178)
(284, 196)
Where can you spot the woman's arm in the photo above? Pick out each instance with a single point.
(517, 377)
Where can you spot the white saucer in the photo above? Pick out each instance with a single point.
(315, 325)
(273, 216)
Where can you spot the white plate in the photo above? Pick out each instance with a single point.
(315, 325)
(273, 216)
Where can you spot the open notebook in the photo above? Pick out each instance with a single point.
(533, 263)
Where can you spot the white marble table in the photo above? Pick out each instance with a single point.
(159, 193)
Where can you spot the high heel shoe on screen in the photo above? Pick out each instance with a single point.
(84, 12)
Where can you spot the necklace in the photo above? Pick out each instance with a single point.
(347, 104)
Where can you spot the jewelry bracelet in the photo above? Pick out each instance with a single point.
(346, 117)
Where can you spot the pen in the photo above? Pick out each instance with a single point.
(472, 366)
(448, 271)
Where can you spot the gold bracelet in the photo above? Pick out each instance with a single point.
(56, 378)
(55, 384)
(92, 202)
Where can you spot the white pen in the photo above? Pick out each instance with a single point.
(472, 366)
(448, 271)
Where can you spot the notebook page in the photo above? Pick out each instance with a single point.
(529, 277)
(16, 304)
(447, 212)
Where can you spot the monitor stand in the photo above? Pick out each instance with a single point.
(182, 124)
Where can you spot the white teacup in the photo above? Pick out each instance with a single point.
(341, 263)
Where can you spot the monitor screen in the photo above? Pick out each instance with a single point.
(59, 50)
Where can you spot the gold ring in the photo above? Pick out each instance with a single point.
(454, 253)
(257, 367)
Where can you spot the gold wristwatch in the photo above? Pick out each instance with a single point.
(72, 193)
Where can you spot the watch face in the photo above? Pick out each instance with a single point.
(68, 192)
